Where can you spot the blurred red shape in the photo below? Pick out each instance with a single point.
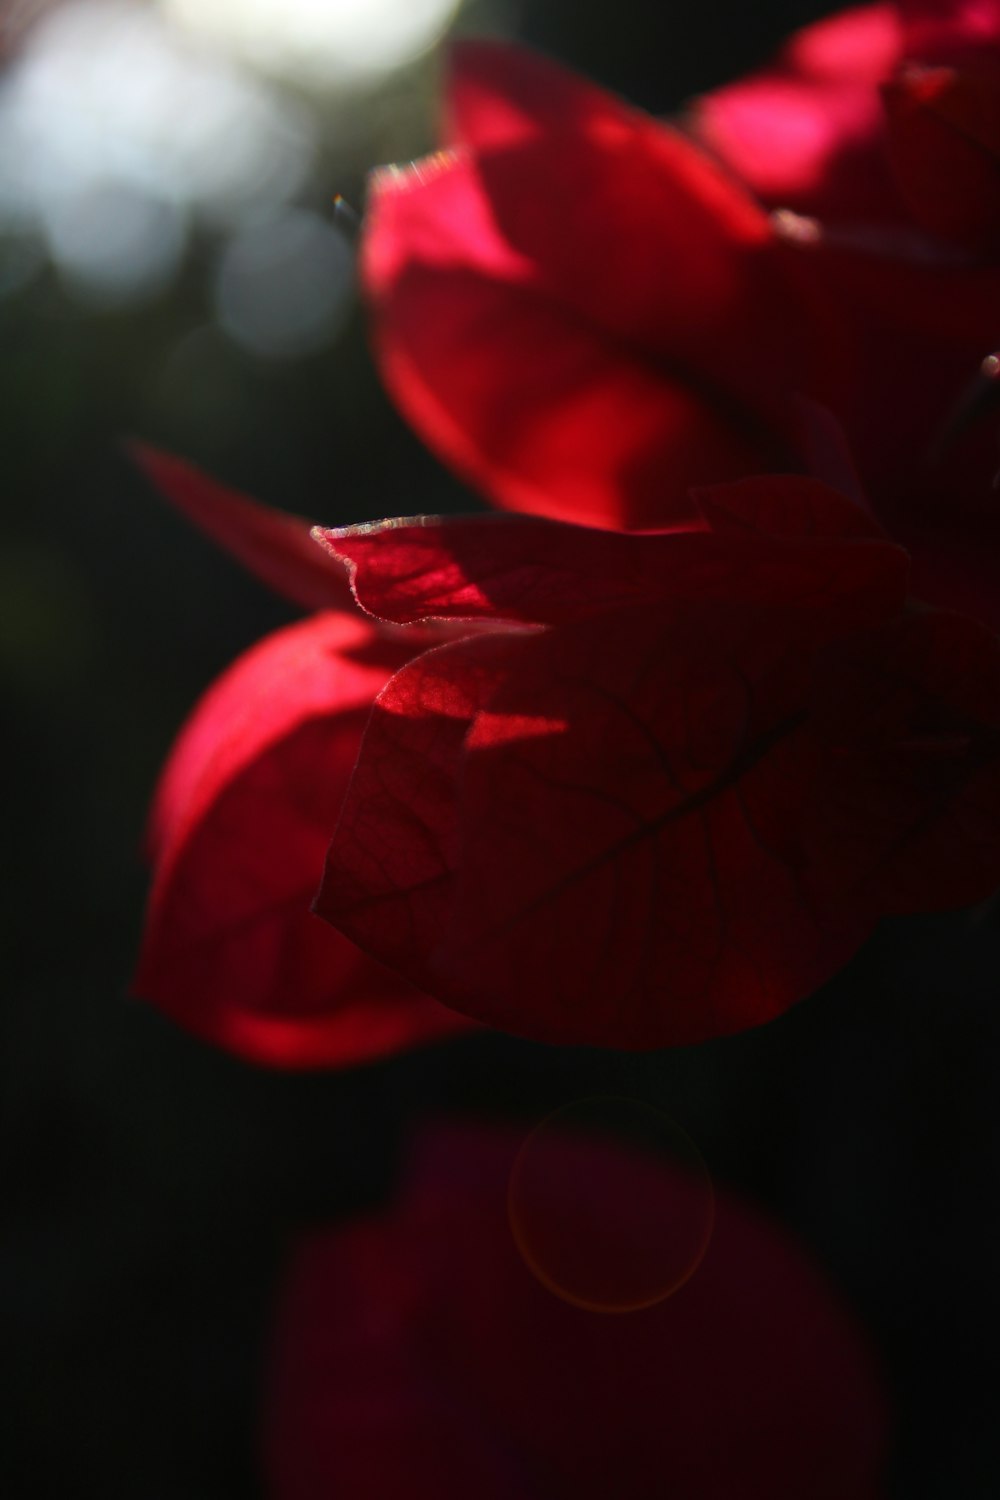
(800, 132)
(944, 142)
(415, 1354)
(881, 122)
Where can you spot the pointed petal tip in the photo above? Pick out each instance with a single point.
(150, 459)
(274, 545)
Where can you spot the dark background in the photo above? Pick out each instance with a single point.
(149, 1186)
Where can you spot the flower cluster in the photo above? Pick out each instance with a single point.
(647, 764)
(639, 761)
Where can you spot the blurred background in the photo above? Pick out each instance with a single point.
(171, 268)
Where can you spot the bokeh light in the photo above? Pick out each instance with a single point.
(284, 285)
(318, 41)
(115, 241)
(117, 136)
(611, 1204)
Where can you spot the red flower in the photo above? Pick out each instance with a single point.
(243, 814)
(416, 1356)
(884, 123)
(807, 132)
(803, 133)
(683, 775)
(578, 310)
(585, 315)
(680, 791)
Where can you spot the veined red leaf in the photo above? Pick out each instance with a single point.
(585, 870)
(774, 540)
(391, 870)
(667, 823)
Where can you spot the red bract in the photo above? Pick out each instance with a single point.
(665, 808)
(415, 1354)
(949, 29)
(897, 155)
(801, 131)
(807, 131)
(944, 141)
(584, 315)
(243, 815)
(578, 309)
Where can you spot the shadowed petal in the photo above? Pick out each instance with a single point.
(239, 831)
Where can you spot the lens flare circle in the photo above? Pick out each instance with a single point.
(283, 287)
(610, 1204)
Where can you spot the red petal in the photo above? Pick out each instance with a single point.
(943, 30)
(776, 539)
(240, 827)
(583, 866)
(804, 132)
(391, 867)
(923, 326)
(416, 1356)
(500, 95)
(919, 308)
(944, 139)
(274, 545)
(589, 322)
